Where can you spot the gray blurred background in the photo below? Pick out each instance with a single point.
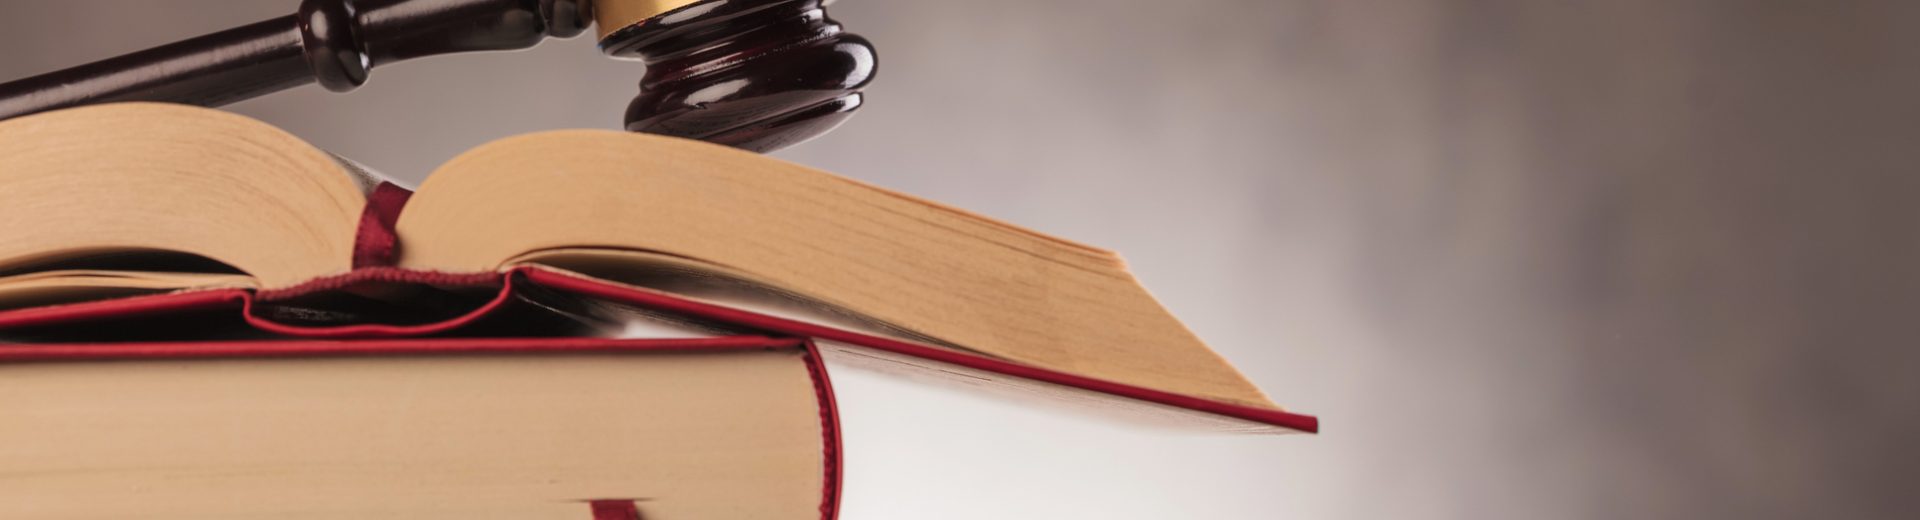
(1606, 259)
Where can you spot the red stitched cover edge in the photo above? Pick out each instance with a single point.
(581, 285)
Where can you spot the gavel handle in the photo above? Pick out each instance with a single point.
(210, 70)
(334, 42)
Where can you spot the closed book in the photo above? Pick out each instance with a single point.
(558, 428)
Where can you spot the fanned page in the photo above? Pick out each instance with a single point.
(170, 181)
(953, 276)
(728, 306)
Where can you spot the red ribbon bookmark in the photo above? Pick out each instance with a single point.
(615, 510)
(375, 244)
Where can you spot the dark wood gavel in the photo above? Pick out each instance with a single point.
(753, 74)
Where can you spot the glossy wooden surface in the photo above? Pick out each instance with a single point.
(755, 74)
(332, 42)
(210, 70)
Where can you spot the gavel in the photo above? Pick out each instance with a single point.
(753, 74)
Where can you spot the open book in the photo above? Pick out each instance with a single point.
(110, 202)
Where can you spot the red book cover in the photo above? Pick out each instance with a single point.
(250, 307)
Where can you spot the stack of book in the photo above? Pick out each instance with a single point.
(205, 317)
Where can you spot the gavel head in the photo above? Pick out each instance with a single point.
(753, 74)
